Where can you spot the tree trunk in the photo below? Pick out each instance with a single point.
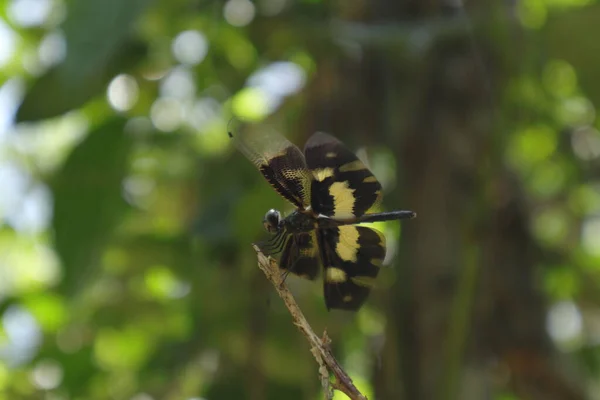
(465, 317)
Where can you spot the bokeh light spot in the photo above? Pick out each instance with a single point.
(23, 335)
(548, 178)
(178, 83)
(586, 143)
(239, 12)
(124, 349)
(28, 13)
(52, 49)
(48, 309)
(190, 47)
(532, 13)
(142, 396)
(550, 226)
(47, 375)
(204, 112)
(585, 198)
(251, 104)
(212, 138)
(271, 8)
(561, 282)
(564, 322)
(166, 114)
(371, 322)
(123, 92)
(162, 284)
(7, 43)
(279, 78)
(532, 145)
(591, 236)
(559, 78)
(576, 111)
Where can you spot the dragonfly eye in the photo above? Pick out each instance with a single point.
(271, 220)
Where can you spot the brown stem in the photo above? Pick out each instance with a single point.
(319, 346)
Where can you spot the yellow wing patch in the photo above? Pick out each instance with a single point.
(343, 199)
(323, 173)
(335, 275)
(347, 247)
(365, 281)
(378, 262)
(355, 165)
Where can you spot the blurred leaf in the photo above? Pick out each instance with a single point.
(121, 349)
(568, 38)
(250, 104)
(532, 145)
(48, 309)
(561, 282)
(550, 226)
(96, 33)
(88, 201)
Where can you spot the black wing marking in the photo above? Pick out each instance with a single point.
(301, 255)
(281, 163)
(342, 187)
(351, 256)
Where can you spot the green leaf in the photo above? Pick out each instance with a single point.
(99, 45)
(88, 202)
(568, 37)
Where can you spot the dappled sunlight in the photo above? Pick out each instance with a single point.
(8, 40)
(47, 374)
(138, 190)
(190, 47)
(586, 143)
(10, 95)
(204, 112)
(266, 90)
(166, 114)
(123, 92)
(550, 225)
(162, 284)
(590, 236)
(272, 7)
(22, 337)
(239, 12)
(253, 104)
(127, 216)
(178, 83)
(52, 50)
(533, 13)
(564, 324)
(532, 145)
(29, 13)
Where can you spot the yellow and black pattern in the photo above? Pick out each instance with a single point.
(301, 256)
(281, 163)
(351, 256)
(332, 190)
(342, 186)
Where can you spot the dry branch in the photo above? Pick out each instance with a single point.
(319, 346)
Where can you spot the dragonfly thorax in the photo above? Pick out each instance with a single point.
(298, 222)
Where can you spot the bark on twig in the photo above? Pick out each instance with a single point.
(319, 346)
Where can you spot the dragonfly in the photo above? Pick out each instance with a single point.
(332, 191)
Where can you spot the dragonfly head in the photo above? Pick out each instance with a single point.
(272, 221)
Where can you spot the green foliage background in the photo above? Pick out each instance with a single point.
(126, 216)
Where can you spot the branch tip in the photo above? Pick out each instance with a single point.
(320, 347)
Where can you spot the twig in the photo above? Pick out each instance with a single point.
(319, 347)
